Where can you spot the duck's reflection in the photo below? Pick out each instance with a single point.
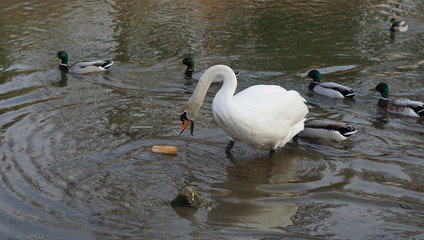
(63, 79)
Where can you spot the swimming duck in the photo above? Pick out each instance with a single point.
(83, 66)
(195, 74)
(263, 116)
(327, 129)
(190, 72)
(398, 26)
(329, 89)
(401, 106)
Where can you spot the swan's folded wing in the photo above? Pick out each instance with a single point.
(272, 101)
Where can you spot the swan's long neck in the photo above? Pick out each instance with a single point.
(226, 93)
(227, 90)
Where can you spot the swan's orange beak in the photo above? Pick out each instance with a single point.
(186, 121)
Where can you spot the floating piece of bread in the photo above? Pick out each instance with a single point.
(165, 149)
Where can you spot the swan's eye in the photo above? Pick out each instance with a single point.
(184, 117)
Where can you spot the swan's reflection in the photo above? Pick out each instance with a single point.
(256, 194)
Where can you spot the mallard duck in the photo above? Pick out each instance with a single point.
(82, 67)
(190, 72)
(329, 89)
(263, 116)
(196, 74)
(327, 129)
(398, 26)
(401, 106)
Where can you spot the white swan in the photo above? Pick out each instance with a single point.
(263, 116)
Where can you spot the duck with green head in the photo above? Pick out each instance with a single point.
(190, 72)
(398, 26)
(329, 89)
(196, 74)
(82, 67)
(400, 106)
(326, 129)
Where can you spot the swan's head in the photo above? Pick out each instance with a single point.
(189, 113)
(315, 75)
(193, 105)
(186, 121)
(189, 62)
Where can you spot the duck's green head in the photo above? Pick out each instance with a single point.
(63, 56)
(393, 21)
(189, 62)
(315, 75)
(383, 88)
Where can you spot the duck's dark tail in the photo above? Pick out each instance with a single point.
(347, 131)
(107, 64)
(348, 94)
(419, 110)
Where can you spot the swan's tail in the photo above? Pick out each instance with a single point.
(294, 130)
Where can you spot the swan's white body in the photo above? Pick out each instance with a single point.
(263, 116)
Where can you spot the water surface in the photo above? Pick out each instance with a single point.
(75, 155)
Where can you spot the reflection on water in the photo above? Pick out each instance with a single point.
(75, 154)
(257, 197)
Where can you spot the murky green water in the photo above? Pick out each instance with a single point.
(75, 155)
